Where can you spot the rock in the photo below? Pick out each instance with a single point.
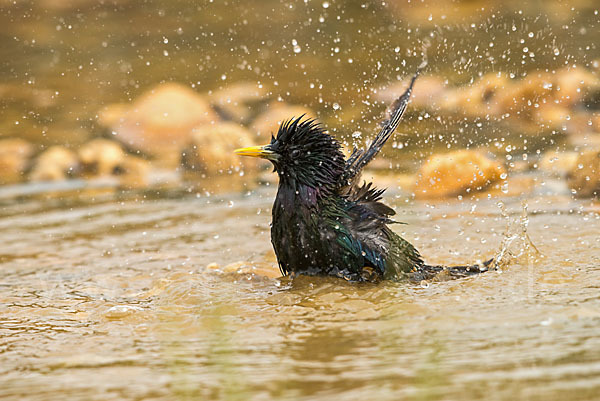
(520, 97)
(573, 85)
(585, 141)
(481, 98)
(584, 177)
(268, 122)
(111, 115)
(558, 163)
(14, 159)
(133, 172)
(553, 116)
(54, 164)
(239, 101)
(456, 173)
(520, 185)
(212, 146)
(566, 88)
(161, 120)
(536, 103)
(101, 157)
(549, 99)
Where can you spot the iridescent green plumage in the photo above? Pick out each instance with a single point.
(324, 221)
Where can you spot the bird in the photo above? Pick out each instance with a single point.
(325, 222)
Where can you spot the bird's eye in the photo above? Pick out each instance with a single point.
(295, 153)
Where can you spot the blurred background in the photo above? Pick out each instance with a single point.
(135, 252)
(180, 84)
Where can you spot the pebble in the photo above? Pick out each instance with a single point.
(54, 164)
(457, 173)
(160, 122)
(240, 101)
(211, 149)
(584, 176)
(558, 163)
(101, 157)
(14, 159)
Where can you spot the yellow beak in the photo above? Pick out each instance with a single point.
(257, 151)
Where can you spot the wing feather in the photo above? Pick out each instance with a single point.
(360, 157)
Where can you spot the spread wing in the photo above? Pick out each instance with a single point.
(361, 157)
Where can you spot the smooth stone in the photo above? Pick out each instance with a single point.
(212, 146)
(161, 120)
(134, 173)
(558, 163)
(101, 157)
(584, 177)
(14, 159)
(239, 101)
(54, 164)
(457, 173)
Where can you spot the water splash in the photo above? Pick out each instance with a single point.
(516, 247)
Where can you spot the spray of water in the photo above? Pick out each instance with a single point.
(516, 246)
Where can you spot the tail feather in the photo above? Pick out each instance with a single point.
(444, 273)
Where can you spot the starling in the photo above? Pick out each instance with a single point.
(325, 222)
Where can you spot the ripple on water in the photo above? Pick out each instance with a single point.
(126, 308)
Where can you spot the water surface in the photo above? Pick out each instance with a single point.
(111, 300)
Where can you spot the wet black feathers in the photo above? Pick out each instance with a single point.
(324, 221)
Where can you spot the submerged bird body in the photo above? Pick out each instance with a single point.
(324, 221)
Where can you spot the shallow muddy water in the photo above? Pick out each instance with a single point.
(111, 300)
